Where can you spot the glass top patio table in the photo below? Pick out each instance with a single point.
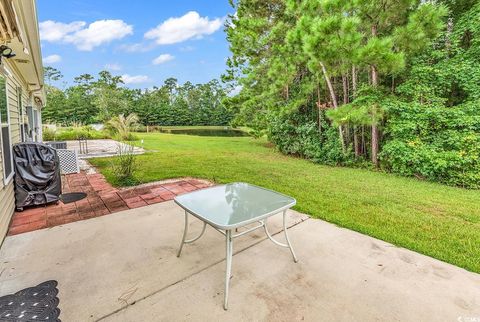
(234, 205)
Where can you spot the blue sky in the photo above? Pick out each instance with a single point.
(144, 41)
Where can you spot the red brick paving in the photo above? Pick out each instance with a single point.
(102, 199)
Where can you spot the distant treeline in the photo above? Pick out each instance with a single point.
(92, 100)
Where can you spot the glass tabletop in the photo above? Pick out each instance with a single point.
(234, 204)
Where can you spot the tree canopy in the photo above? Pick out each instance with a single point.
(91, 100)
(385, 82)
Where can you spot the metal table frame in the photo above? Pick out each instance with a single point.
(229, 236)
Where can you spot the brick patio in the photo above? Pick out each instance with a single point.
(102, 199)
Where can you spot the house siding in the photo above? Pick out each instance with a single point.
(7, 196)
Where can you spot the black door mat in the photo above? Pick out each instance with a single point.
(72, 197)
(37, 303)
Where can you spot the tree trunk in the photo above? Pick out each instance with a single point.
(346, 101)
(345, 88)
(375, 145)
(356, 141)
(319, 110)
(333, 96)
(354, 81)
(448, 42)
(364, 144)
(373, 70)
(374, 125)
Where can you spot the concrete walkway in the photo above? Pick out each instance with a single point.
(123, 267)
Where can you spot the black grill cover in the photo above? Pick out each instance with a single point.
(37, 174)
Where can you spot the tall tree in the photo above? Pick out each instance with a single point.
(51, 74)
(286, 53)
(108, 97)
(391, 29)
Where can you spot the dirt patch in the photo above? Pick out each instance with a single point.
(269, 145)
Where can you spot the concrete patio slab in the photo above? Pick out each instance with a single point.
(341, 276)
(105, 263)
(123, 267)
(100, 148)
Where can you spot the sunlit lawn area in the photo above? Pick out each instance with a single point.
(192, 127)
(436, 220)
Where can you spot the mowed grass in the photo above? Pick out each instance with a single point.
(436, 220)
(193, 127)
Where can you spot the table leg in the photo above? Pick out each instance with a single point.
(185, 230)
(228, 271)
(288, 244)
(286, 236)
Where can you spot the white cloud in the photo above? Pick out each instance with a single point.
(55, 31)
(98, 33)
(113, 67)
(136, 79)
(178, 29)
(52, 59)
(85, 38)
(163, 58)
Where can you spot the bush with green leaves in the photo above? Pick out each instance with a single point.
(73, 133)
(434, 132)
(435, 143)
(297, 135)
(48, 134)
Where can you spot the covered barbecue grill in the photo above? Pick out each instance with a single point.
(37, 174)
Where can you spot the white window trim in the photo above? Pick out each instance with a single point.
(7, 180)
(34, 123)
(40, 125)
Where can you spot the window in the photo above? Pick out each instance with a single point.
(5, 133)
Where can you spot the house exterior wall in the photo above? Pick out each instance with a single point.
(13, 83)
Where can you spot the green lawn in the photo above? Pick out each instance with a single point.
(193, 127)
(436, 220)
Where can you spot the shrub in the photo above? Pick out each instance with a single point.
(122, 127)
(435, 143)
(296, 135)
(124, 164)
(74, 133)
(142, 128)
(48, 134)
